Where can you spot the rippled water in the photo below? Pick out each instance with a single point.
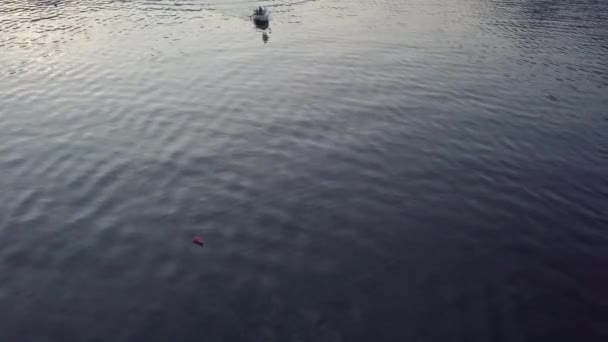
(418, 170)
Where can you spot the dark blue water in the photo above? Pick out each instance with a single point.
(418, 170)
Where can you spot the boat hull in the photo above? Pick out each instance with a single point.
(261, 17)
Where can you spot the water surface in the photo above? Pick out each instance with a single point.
(418, 170)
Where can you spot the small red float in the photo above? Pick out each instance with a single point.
(197, 240)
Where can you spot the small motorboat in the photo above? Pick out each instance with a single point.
(261, 15)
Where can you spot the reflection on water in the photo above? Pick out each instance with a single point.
(263, 26)
(418, 170)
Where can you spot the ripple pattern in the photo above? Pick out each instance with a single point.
(367, 171)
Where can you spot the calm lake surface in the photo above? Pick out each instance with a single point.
(387, 170)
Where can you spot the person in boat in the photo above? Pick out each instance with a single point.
(260, 10)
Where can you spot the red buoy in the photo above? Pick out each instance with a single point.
(197, 240)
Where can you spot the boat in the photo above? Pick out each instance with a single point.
(261, 15)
